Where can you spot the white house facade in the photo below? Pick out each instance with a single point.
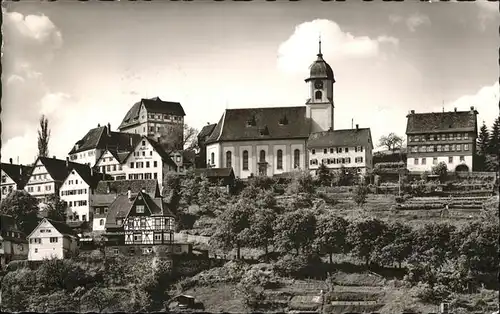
(111, 163)
(52, 240)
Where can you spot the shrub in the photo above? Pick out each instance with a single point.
(328, 198)
(262, 182)
(291, 265)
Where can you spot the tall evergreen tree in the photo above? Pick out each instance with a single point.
(494, 142)
(483, 140)
(43, 137)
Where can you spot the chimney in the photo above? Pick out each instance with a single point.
(98, 125)
(10, 160)
(53, 157)
(91, 172)
(131, 145)
(412, 111)
(455, 109)
(208, 123)
(109, 129)
(143, 190)
(129, 194)
(67, 162)
(357, 126)
(472, 108)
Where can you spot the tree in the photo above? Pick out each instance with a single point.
(324, 175)
(295, 230)
(23, 207)
(391, 141)
(190, 187)
(43, 137)
(190, 137)
(399, 244)
(365, 237)
(360, 194)
(331, 232)
(172, 190)
(261, 232)
(100, 299)
(432, 244)
(441, 170)
(343, 176)
(56, 208)
(302, 182)
(230, 225)
(483, 140)
(494, 141)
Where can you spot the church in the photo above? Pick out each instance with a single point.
(277, 140)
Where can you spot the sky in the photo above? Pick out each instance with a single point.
(86, 63)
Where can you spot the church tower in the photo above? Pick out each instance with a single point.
(320, 104)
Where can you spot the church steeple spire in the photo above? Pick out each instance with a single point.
(319, 51)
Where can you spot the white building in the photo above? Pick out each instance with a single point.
(111, 162)
(77, 191)
(147, 161)
(13, 177)
(350, 148)
(52, 239)
(435, 137)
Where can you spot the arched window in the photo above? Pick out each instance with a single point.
(318, 94)
(279, 159)
(245, 160)
(228, 159)
(212, 158)
(262, 156)
(101, 222)
(296, 158)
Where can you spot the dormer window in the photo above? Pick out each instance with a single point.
(283, 121)
(252, 121)
(264, 131)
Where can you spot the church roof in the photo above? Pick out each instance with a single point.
(320, 69)
(261, 124)
(441, 122)
(152, 105)
(348, 137)
(207, 130)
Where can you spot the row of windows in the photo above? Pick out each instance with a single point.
(101, 210)
(82, 155)
(262, 158)
(435, 160)
(165, 117)
(77, 203)
(438, 137)
(7, 191)
(110, 168)
(140, 164)
(440, 148)
(39, 177)
(143, 153)
(339, 150)
(159, 223)
(76, 217)
(74, 192)
(39, 188)
(334, 161)
(142, 176)
(39, 240)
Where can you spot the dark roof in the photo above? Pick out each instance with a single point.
(349, 137)
(261, 124)
(155, 105)
(103, 199)
(91, 177)
(320, 70)
(207, 130)
(101, 138)
(161, 151)
(18, 173)
(441, 122)
(215, 172)
(59, 170)
(120, 187)
(62, 227)
(8, 224)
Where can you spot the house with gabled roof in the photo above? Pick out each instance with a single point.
(271, 141)
(52, 240)
(156, 118)
(435, 137)
(201, 157)
(77, 191)
(138, 224)
(89, 149)
(13, 177)
(349, 148)
(147, 161)
(107, 191)
(111, 162)
(13, 244)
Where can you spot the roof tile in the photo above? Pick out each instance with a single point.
(441, 122)
(348, 137)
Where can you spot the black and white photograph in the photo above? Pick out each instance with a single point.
(264, 156)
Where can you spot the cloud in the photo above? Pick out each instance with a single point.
(295, 53)
(486, 101)
(488, 11)
(36, 27)
(412, 22)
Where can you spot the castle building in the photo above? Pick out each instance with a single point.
(435, 137)
(273, 141)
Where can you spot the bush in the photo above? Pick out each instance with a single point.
(262, 182)
(328, 198)
(433, 294)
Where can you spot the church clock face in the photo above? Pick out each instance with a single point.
(318, 84)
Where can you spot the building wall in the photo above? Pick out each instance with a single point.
(321, 116)
(144, 153)
(45, 249)
(88, 157)
(109, 165)
(41, 184)
(99, 219)
(270, 147)
(7, 184)
(77, 193)
(430, 162)
(315, 159)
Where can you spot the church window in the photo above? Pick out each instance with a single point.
(262, 156)
(228, 159)
(279, 159)
(296, 158)
(245, 160)
(318, 95)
